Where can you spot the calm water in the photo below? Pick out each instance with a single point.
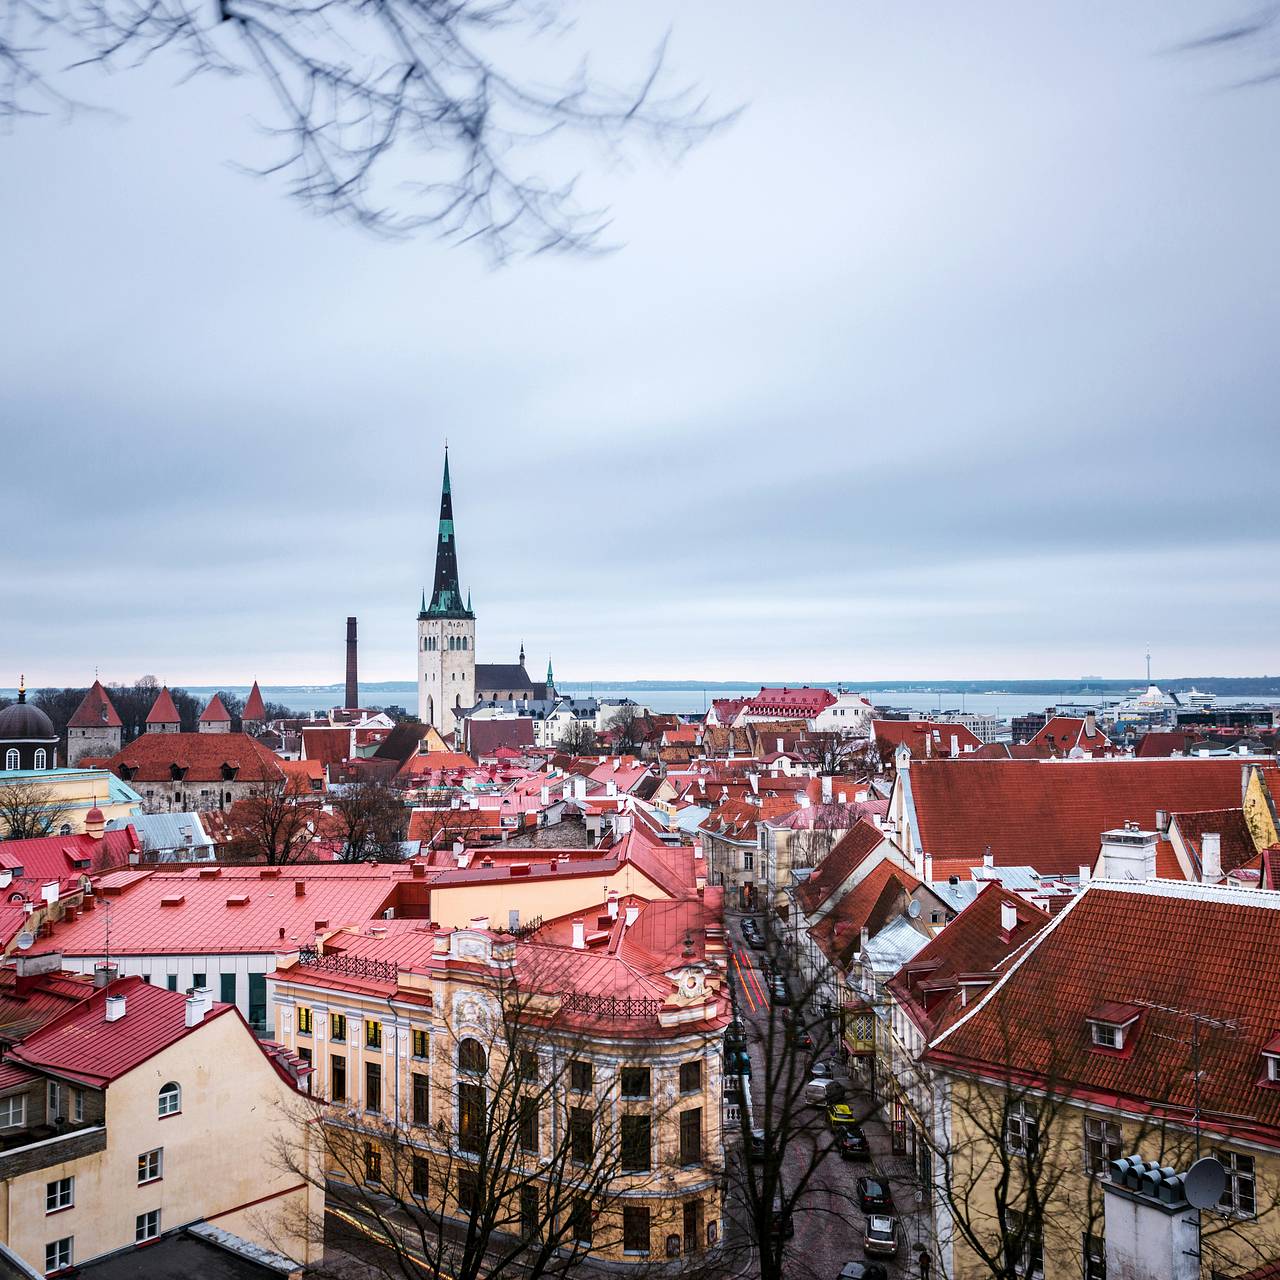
(693, 701)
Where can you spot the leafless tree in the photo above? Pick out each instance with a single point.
(780, 1170)
(627, 727)
(372, 820)
(577, 738)
(364, 91)
(30, 809)
(519, 1174)
(272, 825)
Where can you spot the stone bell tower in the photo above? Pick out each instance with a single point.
(446, 632)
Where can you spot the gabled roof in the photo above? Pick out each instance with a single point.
(501, 677)
(95, 711)
(327, 744)
(215, 712)
(972, 945)
(27, 1004)
(1165, 742)
(163, 710)
(59, 857)
(839, 864)
(81, 1044)
(1236, 844)
(1051, 814)
(1064, 734)
(804, 703)
(925, 739)
(254, 707)
(1126, 943)
(872, 904)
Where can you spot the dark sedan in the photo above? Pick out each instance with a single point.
(874, 1196)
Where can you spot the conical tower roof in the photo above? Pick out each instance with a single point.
(215, 711)
(446, 595)
(163, 710)
(254, 707)
(96, 711)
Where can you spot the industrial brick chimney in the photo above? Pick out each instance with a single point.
(352, 698)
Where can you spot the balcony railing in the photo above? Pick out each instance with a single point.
(352, 966)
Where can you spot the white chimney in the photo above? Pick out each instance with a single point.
(1129, 853)
(611, 906)
(1090, 724)
(579, 936)
(114, 1008)
(826, 789)
(611, 788)
(195, 1011)
(1008, 917)
(544, 795)
(928, 868)
(1211, 857)
(479, 922)
(633, 914)
(988, 859)
(6, 877)
(955, 746)
(1084, 875)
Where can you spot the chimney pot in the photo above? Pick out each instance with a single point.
(1211, 857)
(1008, 916)
(299, 888)
(579, 935)
(114, 1009)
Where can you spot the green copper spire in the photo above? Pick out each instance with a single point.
(446, 595)
(551, 680)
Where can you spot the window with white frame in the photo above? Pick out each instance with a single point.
(146, 1226)
(11, 759)
(1102, 1140)
(57, 1254)
(13, 1112)
(77, 1106)
(1273, 1067)
(1024, 1248)
(40, 758)
(1021, 1129)
(1240, 1195)
(170, 1102)
(55, 1100)
(151, 1165)
(748, 859)
(59, 1194)
(1106, 1035)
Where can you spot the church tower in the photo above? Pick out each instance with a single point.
(446, 632)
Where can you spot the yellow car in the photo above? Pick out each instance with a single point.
(840, 1113)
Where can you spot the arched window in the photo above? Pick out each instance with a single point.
(471, 1056)
(11, 758)
(170, 1099)
(65, 829)
(40, 758)
(464, 642)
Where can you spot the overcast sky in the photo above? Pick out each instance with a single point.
(956, 355)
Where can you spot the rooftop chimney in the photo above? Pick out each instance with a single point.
(1090, 724)
(1008, 916)
(1085, 873)
(104, 974)
(1211, 857)
(299, 888)
(114, 1010)
(579, 935)
(1129, 853)
(826, 788)
(633, 914)
(353, 684)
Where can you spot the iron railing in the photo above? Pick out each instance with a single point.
(353, 966)
(636, 1007)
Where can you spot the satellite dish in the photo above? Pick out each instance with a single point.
(26, 941)
(913, 909)
(1203, 1183)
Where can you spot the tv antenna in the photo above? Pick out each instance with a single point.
(1197, 1021)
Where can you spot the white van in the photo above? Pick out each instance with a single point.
(820, 1093)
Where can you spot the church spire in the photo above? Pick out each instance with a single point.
(446, 596)
(551, 680)
(522, 653)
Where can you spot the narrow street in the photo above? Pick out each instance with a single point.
(828, 1223)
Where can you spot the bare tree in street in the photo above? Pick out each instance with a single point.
(29, 810)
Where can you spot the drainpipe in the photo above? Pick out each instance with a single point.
(395, 1031)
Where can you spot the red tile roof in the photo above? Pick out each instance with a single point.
(974, 943)
(227, 909)
(1050, 815)
(925, 739)
(254, 707)
(82, 1044)
(1236, 844)
(328, 745)
(215, 712)
(804, 703)
(163, 710)
(95, 711)
(26, 1004)
(153, 757)
(1126, 943)
(839, 864)
(1161, 742)
(870, 905)
(1063, 734)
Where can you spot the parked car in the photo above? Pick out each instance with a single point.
(821, 1093)
(840, 1113)
(822, 1071)
(874, 1195)
(755, 942)
(780, 993)
(806, 1040)
(862, 1271)
(852, 1143)
(755, 1145)
(881, 1236)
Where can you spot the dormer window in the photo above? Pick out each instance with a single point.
(1271, 1062)
(1112, 1025)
